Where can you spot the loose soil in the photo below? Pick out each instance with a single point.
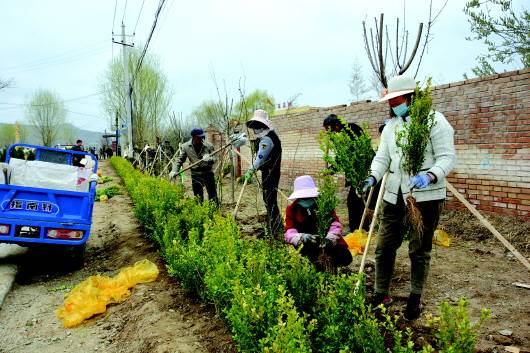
(476, 267)
(158, 317)
(161, 317)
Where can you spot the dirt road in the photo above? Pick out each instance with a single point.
(158, 317)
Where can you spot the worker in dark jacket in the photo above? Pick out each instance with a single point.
(268, 161)
(77, 158)
(198, 150)
(355, 202)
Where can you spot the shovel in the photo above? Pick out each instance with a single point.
(372, 226)
(237, 140)
(239, 199)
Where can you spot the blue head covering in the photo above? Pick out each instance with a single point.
(197, 131)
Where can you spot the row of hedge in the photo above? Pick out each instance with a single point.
(272, 299)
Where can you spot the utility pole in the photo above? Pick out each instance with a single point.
(128, 92)
(117, 133)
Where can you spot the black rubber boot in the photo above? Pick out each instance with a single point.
(413, 309)
(381, 299)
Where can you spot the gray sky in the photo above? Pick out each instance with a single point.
(284, 47)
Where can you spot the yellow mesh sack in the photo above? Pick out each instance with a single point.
(92, 296)
(441, 238)
(356, 241)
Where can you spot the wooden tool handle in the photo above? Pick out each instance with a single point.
(366, 206)
(239, 199)
(488, 225)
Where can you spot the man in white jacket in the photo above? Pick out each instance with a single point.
(429, 191)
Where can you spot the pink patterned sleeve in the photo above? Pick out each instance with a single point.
(289, 234)
(336, 228)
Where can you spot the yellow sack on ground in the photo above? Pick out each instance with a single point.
(356, 241)
(441, 238)
(92, 296)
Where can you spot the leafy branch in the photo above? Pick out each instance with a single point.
(347, 153)
(415, 135)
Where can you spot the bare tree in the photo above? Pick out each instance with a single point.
(46, 112)
(178, 129)
(151, 95)
(378, 46)
(376, 85)
(357, 84)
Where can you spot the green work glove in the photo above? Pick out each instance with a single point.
(248, 176)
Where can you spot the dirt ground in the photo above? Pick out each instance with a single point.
(158, 317)
(476, 267)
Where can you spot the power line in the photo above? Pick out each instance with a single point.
(85, 114)
(63, 101)
(63, 55)
(114, 16)
(138, 19)
(140, 61)
(124, 10)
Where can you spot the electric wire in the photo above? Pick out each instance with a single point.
(138, 19)
(62, 101)
(124, 10)
(114, 16)
(140, 61)
(71, 53)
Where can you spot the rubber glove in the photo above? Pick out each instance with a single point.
(419, 181)
(368, 183)
(207, 157)
(332, 238)
(248, 176)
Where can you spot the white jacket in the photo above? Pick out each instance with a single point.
(439, 160)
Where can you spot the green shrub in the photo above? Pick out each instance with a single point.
(272, 298)
(454, 331)
(344, 322)
(110, 192)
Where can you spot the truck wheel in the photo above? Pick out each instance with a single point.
(75, 255)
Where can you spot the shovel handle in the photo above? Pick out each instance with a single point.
(488, 225)
(374, 221)
(366, 207)
(239, 199)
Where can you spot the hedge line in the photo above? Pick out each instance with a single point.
(270, 297)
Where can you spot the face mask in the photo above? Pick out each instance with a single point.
(401, 109)
(306, 203)
(260, 132)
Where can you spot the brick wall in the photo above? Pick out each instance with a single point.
(491, 118)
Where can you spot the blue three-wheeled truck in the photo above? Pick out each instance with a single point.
(48, 198)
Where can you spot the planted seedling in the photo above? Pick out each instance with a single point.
(412, 140)
(345, 152)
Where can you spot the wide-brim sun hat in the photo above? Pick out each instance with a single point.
(304, 187)
(260, 116)
(399, 86)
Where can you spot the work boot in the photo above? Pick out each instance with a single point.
(381, 299)
(413, 309)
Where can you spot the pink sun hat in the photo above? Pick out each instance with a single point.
(304, 187)
(260, 116)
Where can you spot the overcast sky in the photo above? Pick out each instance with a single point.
(286, 47)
